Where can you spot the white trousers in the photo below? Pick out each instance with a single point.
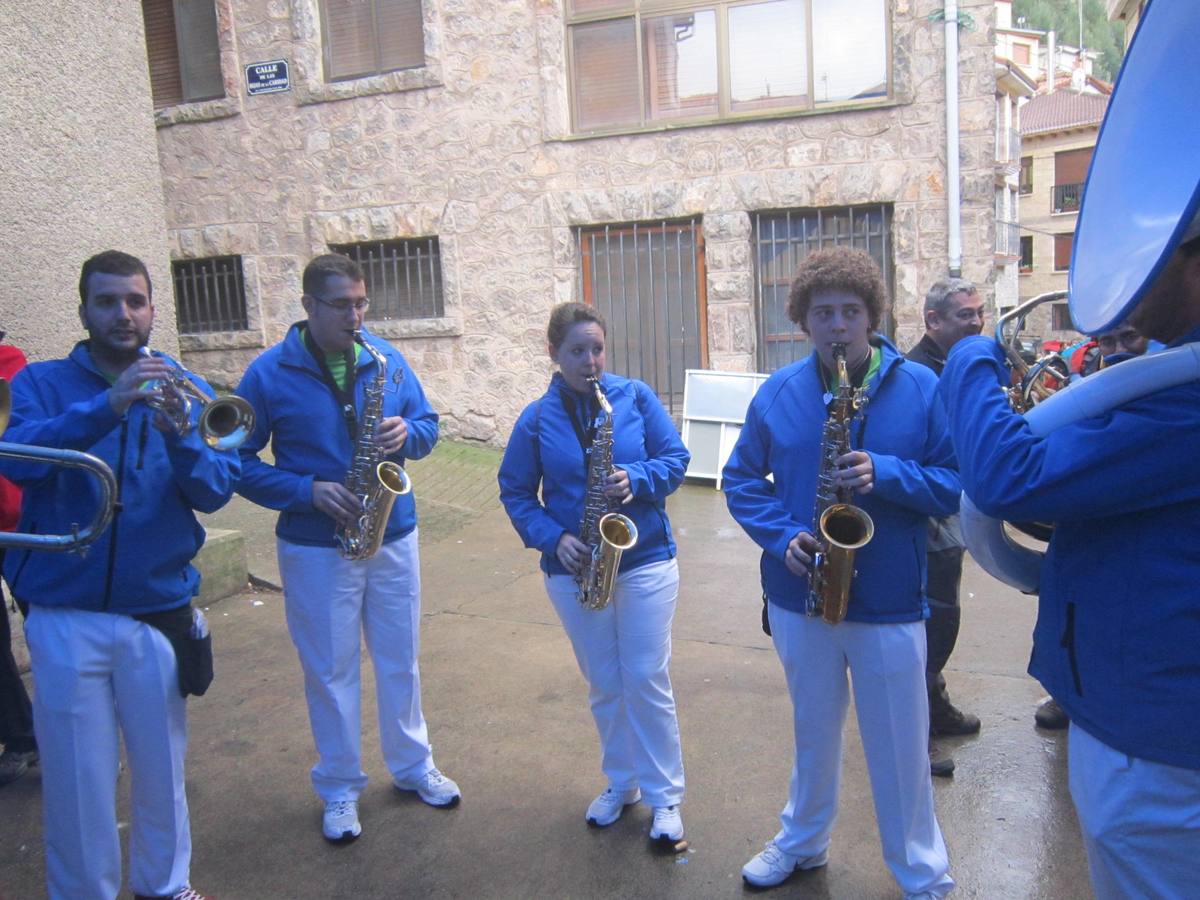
(1140, 821)
(624, 651)
(886, 663)
(332, 604)
(95, 673)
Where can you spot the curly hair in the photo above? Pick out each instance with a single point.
(837, 269)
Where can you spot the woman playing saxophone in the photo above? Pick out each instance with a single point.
(624, 646)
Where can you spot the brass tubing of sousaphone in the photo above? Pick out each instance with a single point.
(844, 528)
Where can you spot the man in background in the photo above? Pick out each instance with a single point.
(953, 311)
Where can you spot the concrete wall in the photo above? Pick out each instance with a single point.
(80, 169)
(475, 148)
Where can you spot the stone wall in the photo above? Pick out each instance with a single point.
(80, 171)
(475, 148)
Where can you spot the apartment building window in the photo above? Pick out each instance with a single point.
(210, 294)
(1020, 54)
(1026, 264)
(183, 51)
(635, 65)
(1060, 317)
(1062, 251)
(370, 37)
(1070, 173)
(781, 241)
(648, 281)
(403, 277)
(1026, 179)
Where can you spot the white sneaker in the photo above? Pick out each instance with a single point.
(340, 824)
(433, 787)
(607, 808)
(773, 866)
(668, 824)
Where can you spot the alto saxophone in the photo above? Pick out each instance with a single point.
(841, 527)
(375, 481)
(607, 533)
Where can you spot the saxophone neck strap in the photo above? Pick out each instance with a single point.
(583, 415)
(342, 389)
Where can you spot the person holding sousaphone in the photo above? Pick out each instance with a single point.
(584, 479)
(113, 641)
(853, 426)
(1110, 462)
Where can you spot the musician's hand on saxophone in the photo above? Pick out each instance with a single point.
(139, 381)
(393, 432)
(617, 487)
(856, 471)
(336, 501)
(572, 552)
(800, 552)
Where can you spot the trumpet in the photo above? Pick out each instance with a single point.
(79, 538)
(224, 422)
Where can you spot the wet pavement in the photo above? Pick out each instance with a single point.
(508, 718)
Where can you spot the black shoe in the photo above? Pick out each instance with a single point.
(1051, 716)
(946, 719)
(15, 763)
(941, 763)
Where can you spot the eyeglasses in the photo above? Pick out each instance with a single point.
(344, 304)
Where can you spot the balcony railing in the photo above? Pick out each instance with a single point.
(1066, 198)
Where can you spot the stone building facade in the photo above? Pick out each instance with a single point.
(80, 171)
(477, 148)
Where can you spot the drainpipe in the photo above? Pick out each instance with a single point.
(953, 191)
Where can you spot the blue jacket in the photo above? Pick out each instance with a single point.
(142, 563)
(1119, 613)
(905, 433)
(544, 451)
(298, 413)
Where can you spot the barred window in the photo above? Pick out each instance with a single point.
(782, 240)
(370, 37)
(634, 65)
(403, 277)
(647, 280)
(183, 51)
(210, 295)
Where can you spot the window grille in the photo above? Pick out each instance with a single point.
(403, 277)
(634, 65)
(648, 281)
(370, 37)
(210, 295)
(183, 51)
(782, 240)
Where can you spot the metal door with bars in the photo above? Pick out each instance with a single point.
(782, 240)
(648, 282)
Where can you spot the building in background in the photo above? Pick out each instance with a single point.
(80, 171)
(669, 162)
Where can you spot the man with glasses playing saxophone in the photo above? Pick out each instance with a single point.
(324, 404)
(98, 622)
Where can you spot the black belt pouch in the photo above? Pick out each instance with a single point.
(193, 655)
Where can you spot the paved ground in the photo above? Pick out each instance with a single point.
(508, 718)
